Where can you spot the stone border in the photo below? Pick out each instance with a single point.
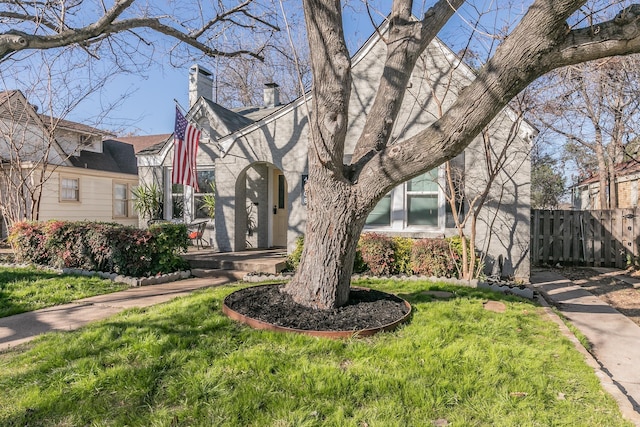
(114, 277)
(521, 291)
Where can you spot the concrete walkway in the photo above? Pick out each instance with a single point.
(24, 327)
(615, 340)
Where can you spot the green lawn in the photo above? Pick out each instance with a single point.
(185, 364)
(28, 289)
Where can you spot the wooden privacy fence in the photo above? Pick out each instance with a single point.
(600, 238)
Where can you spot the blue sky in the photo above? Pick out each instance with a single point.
(149, 109)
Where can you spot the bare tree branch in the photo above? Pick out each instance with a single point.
(406, 40)
(109, 24)
(531, 50)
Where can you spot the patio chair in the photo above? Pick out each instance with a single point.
(196, 232)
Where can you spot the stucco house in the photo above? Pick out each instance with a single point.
(85, 175)
(585, 195)
(257, 157)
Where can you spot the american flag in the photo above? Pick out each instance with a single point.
(185, 141)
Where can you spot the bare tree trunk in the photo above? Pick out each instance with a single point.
(602, 170)
(332, 232)
(613, 191)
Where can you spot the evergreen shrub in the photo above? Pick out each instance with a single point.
(101, 246)
(381, 255)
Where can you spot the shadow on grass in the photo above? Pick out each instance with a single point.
(8, 306)
(112, 371)
(423, 296)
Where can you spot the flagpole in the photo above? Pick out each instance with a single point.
(184, 112)
(193, 123)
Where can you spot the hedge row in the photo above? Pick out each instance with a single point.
(382, 255)
(100, 246)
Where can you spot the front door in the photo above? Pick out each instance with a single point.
(279, 209)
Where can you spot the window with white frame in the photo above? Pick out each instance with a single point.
(69, 189)
(201, 199)
(122, 200)
(422, 200)
(415, 204)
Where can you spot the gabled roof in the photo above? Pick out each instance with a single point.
(244, 120)
(6, 94)
(116, 157)
(49, 121)
(141, 143)
(622, 169)
(232, 120)
(72, 126)
(256, 113)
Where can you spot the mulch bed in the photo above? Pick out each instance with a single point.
(366, 309)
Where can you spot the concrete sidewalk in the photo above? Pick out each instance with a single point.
(615, 340)
(24, 327)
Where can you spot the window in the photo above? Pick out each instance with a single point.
(84, 140)
(122, 201)
(422, 200)
(177, 200)
(202, 199)
(380, 216)
(70, 189)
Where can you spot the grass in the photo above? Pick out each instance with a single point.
(582, 339)
(28, 289)
(184, 363)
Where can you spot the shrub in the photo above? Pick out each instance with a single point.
(433, 257)
(381, 255)
(377, 251)
(402, 254)
(28, 242)
(293, 260)
(101, 246)
(169, 241)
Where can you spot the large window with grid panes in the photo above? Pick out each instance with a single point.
(205, 191)
(417, 204)
(191, 198)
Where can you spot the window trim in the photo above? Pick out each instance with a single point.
(201, 193)
(188, 195)
(399, 221)
(61, 197)
(440, 203)
(130, 211)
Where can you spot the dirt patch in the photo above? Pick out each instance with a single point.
(366, 309)
(620, 295)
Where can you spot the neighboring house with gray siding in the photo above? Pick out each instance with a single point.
(258, 160)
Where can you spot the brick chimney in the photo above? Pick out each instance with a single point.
(271, 95)
(200, 84)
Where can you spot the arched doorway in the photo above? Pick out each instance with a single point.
(261, 207)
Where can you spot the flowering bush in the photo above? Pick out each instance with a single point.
(378, 252)
(433, 257)
(28, 241)
(381, 255)
(101, 246)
